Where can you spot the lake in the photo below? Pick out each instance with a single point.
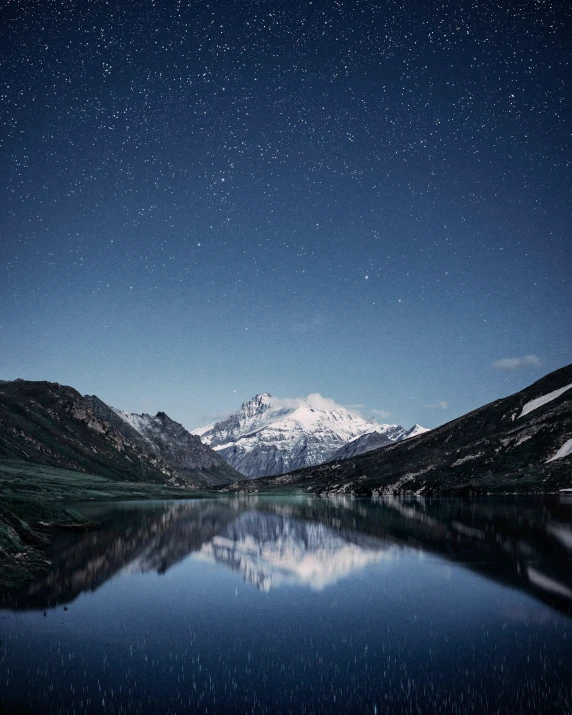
(299, 605)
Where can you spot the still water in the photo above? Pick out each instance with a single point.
(300, 605)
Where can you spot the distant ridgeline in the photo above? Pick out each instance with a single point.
(50, 424)
(518, 444)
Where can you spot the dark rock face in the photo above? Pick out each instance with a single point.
(51, 424)
(365, 443)
(502, 447)
(375, 440)
(23, 540)
(169, 440)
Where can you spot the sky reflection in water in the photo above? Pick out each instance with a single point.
(300, 605)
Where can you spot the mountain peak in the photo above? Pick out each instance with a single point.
(416, 430)
(261, 398)
(258, 404)
(270, 436)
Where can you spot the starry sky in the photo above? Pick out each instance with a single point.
(201, 200)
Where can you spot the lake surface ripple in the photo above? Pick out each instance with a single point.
(299, 605)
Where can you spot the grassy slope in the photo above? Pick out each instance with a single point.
(33, 506)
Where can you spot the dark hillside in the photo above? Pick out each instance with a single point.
(51, 424)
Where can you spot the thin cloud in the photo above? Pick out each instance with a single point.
(304, 326)
(517, 363)
(212, 417)
(315, 400)
(437, 405)
(382, 413)
(318, 402)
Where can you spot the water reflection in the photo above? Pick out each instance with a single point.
(314, 543)
(272, 550)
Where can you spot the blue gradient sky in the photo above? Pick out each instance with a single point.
(200, 201)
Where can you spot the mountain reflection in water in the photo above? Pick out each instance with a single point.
(271, 550)
(523, 543)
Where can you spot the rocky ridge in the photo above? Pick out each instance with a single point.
(373, 440)
(169, 440)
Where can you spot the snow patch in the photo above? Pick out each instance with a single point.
(133, 420)
(539, 401)
(564, 451)
(563, 534)
(462, 460)
(201, 430)
(468, 530)
(514, 441)
(416, 430)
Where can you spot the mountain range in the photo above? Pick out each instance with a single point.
(268, 436)
(57, 445)
(518, 444)
(50, 424)
(169, 440)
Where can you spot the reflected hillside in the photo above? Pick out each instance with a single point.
(309, 542)
(141, 537)
(522, 543)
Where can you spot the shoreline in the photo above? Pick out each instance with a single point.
(34, 508)
(38, 503)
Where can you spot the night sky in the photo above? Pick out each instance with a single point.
(205, 200)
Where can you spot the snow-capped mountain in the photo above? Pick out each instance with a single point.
(270, 436)
(416, 430)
